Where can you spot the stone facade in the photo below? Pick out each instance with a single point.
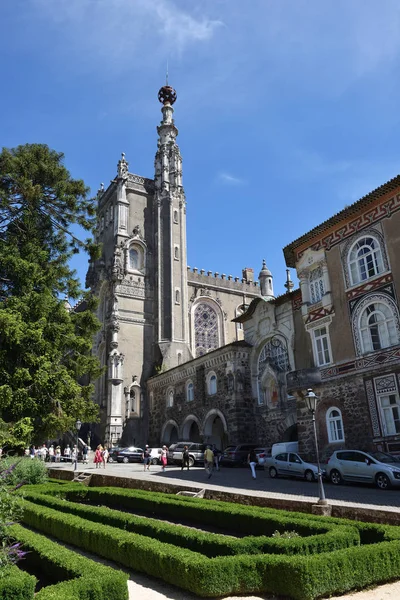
(347, 325)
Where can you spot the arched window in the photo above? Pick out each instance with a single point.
(274, 353)
(176, 252)
(317, 288)
(334, 425)
(190, 392)
(211, 384)
(133, 400)
(206, 327)
(177, 297)
(170, 398)
(377, 327)
(365, 260)
(134, 259)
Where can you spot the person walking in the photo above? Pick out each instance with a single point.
(32, 451)
(98, 457)
(67, 453)
(164, 457)
(51, 453)
(252, 460)
(185, 458)
(217, 457)
(104, 455)
(58, 454)
(85, 452)
(209, 461)
(146, 458)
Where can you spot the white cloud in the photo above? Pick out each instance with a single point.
(229, 179)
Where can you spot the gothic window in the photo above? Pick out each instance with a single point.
(316, 281)
(377, 327)
(365, 260)
(321, 345)
(274, 353)
(334, 425)
(205, 329)
(211, 384)
(177, 297)
(176, 252)
(190, 392)
(175, 216)
(133, 401)
(134, 259)
(170, 398)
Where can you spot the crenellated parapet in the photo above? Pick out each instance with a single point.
(214, 279)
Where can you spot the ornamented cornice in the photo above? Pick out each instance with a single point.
(319, 313)
(370, 286)
(377, 359)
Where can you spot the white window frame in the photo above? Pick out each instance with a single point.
(321, 350)
(385, 329)
(141, 258)
(211, 391)
(331, 425)
(189, 396)
(356, 264)
(389, 424)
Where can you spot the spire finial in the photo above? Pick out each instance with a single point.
(166, 76)
(289, 285)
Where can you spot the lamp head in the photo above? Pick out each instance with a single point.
(78, 424)
(311, 400)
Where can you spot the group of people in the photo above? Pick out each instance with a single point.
(54, 453)
(101, 456)
(212, 459)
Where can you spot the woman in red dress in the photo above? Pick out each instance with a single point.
(98, 456)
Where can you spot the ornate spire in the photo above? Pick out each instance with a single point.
(168, 160)
(122, 168)
(289, 285)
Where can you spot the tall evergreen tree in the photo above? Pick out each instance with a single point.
(45, 348)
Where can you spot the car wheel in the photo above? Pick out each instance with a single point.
(191, 461)
(335, 477)
(382, 481)
(154, 461)
(125, 459)
(273, 473)
(309, 475)
(110, 460)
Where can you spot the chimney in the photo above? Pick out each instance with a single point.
(248, 274)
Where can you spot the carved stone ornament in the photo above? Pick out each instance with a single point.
(122, 167)
(117, 268)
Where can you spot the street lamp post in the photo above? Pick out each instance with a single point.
(77, 426)
(311, 402)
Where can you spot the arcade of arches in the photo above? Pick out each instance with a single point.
(212, 431)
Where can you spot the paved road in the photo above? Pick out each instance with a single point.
(239, 480)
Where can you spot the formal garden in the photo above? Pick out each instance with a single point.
(207, 547)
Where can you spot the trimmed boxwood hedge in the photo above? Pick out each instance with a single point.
(235, 517)
(320, 537)
(299, 577)
(16, 584)
(76, 577)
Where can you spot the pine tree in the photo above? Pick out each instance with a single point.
(45, 347)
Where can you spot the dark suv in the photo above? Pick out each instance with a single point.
(196, 453)
(237, 455)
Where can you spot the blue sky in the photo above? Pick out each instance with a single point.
(288, 110)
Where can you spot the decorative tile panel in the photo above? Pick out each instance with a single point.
(372, 408)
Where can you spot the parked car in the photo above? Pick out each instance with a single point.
(237, 455)
(262, 454)
(155, 456)
(290, 464)
(112, 454)
(196, 453)
(284, 447)
(364, 467)
(131, 454)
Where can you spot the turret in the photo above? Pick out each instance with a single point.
(266, 284)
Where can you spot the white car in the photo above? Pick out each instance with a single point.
(290, 464)
(155, 456)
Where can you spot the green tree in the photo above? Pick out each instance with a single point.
(45, 348)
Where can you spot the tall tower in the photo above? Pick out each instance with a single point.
(172, 321)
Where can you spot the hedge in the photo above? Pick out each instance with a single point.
(243, 519)
(16, 584)
(76, 577)
(320, 538)
(299, 577)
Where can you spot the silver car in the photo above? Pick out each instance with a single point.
(290, 464)
(355, 465)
